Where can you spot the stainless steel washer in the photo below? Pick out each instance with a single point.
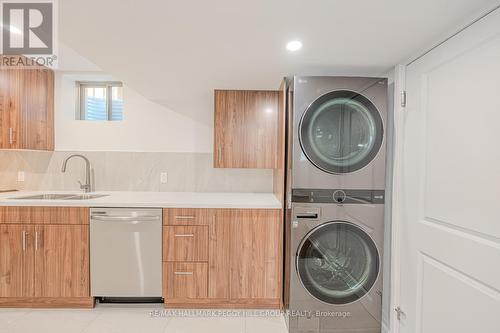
(334, 261)
(337, 132)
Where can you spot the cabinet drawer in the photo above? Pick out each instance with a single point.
(185, 243)
(183, 280)
(187, 216)
(15, 214)
(60, 215)
(44, 215)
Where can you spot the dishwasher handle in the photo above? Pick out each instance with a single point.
(109, 218)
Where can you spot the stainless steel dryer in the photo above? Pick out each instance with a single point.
(334, 260)
(337, 132)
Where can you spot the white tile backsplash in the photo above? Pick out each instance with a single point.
(128, 171)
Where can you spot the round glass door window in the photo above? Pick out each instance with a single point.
(341, 132)
(337, 263)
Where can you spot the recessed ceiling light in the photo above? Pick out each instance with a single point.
(294, 45)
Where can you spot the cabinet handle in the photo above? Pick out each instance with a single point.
(37, 241)
(24, 240)
(219, 155)
(184, 235)
(183, 273)
(11, 135)
(184, 217)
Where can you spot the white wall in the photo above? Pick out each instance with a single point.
(147, 126)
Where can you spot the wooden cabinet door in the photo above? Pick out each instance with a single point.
(16, 261)
(10, 108)
(62, 261)
(4, 109)
(219, 236)
(246, 129)
(255, 254)
(26, 108)
(38, 109)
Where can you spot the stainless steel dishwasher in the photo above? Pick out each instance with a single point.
(125, 254)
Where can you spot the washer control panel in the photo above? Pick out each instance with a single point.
(338, 196)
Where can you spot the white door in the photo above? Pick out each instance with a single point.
(448, 176)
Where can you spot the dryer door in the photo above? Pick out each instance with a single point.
(337, 262)
(341, 132)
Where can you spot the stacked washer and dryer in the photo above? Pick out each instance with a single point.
(335, 203)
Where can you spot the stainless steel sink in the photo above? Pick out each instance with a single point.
(45, 197)
(69, 196)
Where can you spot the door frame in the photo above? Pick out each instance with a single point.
(397, 210)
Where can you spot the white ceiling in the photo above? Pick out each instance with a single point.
(175, 52)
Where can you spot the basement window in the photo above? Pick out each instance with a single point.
(100, 101)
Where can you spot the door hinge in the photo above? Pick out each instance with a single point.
(399, 313)
(403, 98)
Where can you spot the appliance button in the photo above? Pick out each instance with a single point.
(339, 196)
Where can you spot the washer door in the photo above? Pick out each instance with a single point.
(337, 262)
(341, 132)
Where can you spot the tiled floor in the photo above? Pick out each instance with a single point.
(139, 319)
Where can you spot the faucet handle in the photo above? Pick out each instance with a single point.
(84, 187)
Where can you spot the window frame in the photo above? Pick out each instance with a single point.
(81, 110)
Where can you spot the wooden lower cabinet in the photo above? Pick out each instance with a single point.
(43, 264)
(243, 268)
(255, 254)
(62, 261)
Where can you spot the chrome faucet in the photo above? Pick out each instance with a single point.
(87, 187)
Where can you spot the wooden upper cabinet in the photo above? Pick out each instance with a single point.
(246, 129)
(37, 126)
(10, 108)
(26, 108)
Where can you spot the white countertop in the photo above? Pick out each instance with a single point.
(151, 200)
